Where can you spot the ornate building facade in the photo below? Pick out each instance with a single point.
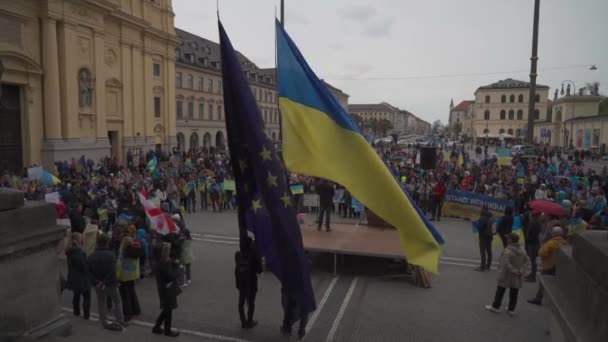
(199, 97)
(92, 77)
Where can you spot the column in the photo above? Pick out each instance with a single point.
(100, 88)
(50, 63)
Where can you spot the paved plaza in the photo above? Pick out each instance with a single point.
(365, 301)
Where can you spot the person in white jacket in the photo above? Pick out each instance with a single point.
(541, 192)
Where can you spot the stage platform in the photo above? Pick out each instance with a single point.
(350, 239)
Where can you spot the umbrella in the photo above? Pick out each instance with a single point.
(547, 207)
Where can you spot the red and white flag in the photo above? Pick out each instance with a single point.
(159, 221)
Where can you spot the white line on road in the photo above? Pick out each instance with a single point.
(220, 237)
(216, 241)
(459, 264)
(215, 337)
(326, 295)
(465, 260)
(349, 294)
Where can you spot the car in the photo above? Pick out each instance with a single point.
(519, 150)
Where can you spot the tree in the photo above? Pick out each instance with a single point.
(437, 126)
(604, 106)
(384, 126)
(591, 88)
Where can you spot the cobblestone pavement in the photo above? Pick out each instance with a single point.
(364, 302)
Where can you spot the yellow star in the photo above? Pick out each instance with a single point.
(286, 200)
(266, 133)
(265, 154)
(255, 205)
(243, 165)
(271, 180)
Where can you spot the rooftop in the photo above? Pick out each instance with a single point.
(371, 107)
(510, 83)
(463, 106)
(330, 87)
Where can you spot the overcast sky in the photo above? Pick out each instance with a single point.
(436, 49)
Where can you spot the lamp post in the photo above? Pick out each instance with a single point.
(533, 61)
(569, 82)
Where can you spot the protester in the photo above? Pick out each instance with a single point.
(513, 265)
(548, 255)
(168, 290)
(505, 226)
(437, 200)
(187, 256)
(77, 279)
(248, 266)
(533, 243)
(326, 195)
(484, 226)
(102, 270)
(128, 271)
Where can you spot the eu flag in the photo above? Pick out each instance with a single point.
(265, 205)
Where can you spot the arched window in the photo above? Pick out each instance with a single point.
(501, 131)
(486, 115)
(536, 114)
(512, 98)
(537, 98)
(511, 115)
(520, 114)
(502, 115)
(518, 132)
(193, 140)
(181, 141)
(503, 98)
(486, 131)
(487, 98)
(510, 131)
(520, 98)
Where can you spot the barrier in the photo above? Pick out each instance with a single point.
(467, 205)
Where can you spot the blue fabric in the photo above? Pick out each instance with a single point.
(265, 205)
(294, 66)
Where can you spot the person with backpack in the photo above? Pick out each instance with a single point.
(248, 266)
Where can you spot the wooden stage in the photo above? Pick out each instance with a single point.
(350, 239)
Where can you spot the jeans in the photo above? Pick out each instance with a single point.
(165, 316)
(533, 254)
(485, 249)
(203, 200)
(86, 303)
(503, 238)
(249, 298)
(327, 211)
(436, 206)
(500, 292)
(188, 273)
(130, 302)
(540, 293)
(112, 293)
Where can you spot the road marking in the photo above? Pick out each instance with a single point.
(459, 264)
(349, 294)
(466, 260)
(326, 295)
(220, 237)
(95, 318)
(217, 241)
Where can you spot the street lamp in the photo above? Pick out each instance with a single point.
(569, 82)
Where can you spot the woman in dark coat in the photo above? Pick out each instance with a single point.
(168, 290)
(78, 280)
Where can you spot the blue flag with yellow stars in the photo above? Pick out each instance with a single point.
(265, 205)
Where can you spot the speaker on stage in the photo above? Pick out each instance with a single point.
(428, 158)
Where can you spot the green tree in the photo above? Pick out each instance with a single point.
(604, 106)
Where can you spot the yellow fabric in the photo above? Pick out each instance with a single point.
(460, 161)
(548, 252)
(314, 145)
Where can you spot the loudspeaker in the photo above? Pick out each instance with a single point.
(428, 158)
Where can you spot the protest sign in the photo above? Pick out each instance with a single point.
(467, 205)
(504, 156)
(311, 200)
(297, 189)
(229, 185)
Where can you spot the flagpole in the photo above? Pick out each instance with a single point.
(283, 13)
(277, 74)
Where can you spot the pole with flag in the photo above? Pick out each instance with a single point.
(265, 205)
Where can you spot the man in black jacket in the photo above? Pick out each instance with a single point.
(505, 226)
(248, 266)
(533, 243)
(102, 271)
(484, 227)
(326, 197)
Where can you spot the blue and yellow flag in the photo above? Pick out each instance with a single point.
(265, 205)
(320, 139)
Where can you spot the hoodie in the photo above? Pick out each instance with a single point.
(142, 237)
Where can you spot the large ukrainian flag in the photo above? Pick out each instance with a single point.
(320, 139)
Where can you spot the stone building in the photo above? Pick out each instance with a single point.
(381, 111)
(502, 107)
(340, 96)
(461, 115)
(93, 77)
(199, 96)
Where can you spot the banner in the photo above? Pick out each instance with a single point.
(311, 200)
(297, 189)
(229, 185)
(467, 205)
(504, 156)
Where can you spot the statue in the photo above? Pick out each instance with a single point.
(85, 88)
(596, 89)
(555, 95)
(568, 90)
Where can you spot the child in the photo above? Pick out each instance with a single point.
(186, 256)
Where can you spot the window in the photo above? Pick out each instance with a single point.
(503, 98)
(486, 115)
(201, 111)
(512, 98)
(536, 114)
(502, 115)
(219, 87)
(487, 98)
(510, 131)
(190, 110)
(178, 79)
(210, 111)
(511, 115)
(210, 86)
(255, 93)
(521, 98)
(201, 84)
(178, 109)
(486, 131)
(501, 131)
(157, 107)
(219, 112)
(536, 98)
(265, 115)
(190, 81)
(156, 69)
(520, 114)
(276, 116)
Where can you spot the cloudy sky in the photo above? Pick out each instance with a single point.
(417, 55)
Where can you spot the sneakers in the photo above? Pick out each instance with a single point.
(492, 309)
(511, 312)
